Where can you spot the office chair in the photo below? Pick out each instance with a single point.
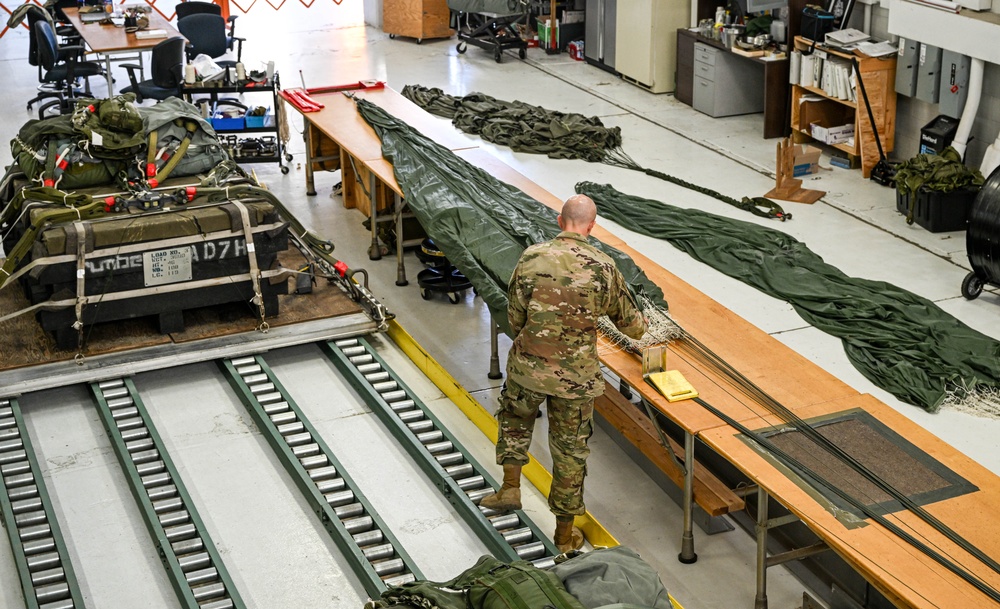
(62, 66)
(206, 33)
(167, 71)
(194, 7)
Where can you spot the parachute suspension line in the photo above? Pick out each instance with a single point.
(758, 206)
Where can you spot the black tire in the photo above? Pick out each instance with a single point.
(498, 56)
(420, 40)
(461, 47)
(425, 294)
(392, 36)
(522, 53)
(284, 170)
(288, 157)
(454, 298)
(972, 286)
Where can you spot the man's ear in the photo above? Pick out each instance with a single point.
(559, 221)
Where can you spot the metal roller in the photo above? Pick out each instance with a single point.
(283, 417)
(252, 378)
(399, 580)
(306, 450)
(472, 482)
(316, 461)
(517, 536)
(378, 552)
(477, 495)
(505, 521)
(368, 538)
(192, 562)
(48, 544)
(276, 407)
(239, 362)
(28, 519)
(41, 562)
(162, 492)
(388, 388)
(187, 546)
(209, 591)
(298, 439)
(331, 485)
(264, 389)
(401, 405)
(52, 592)
(341, 498)
(145, 456)
(429, 437)
(322, 473)
(26, 505)
(370, 368)
(394, 396)
(411, 415)
(41, 531)
(359, 524)
(348, 511)
(291, 428)
(220, 604)
(24, 492)
(529, 551)
(462, 470)
(439, 447)
(12, 456)
(389, 567)
(50, 576)
(120, 402)
(201, 576)
(148, 469)
(174, 518)
(546, 562)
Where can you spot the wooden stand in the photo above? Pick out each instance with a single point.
(418, 19)
(788, 188)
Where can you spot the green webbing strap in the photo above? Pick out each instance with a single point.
(190, 128)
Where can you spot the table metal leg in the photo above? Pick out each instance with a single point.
(760, 601)
(107, 75)
(310, 179)
(374, 252)
(400, 263)
(687, 555)
(494, 372)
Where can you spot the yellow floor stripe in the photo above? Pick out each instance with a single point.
(596, 534)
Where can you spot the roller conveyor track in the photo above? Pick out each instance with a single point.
(374, 553)
(47, 578)
(196, 571)
(464, 482)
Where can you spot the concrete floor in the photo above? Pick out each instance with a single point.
(277, 553)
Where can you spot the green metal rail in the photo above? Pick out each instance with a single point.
(196, 571)
(445, 461)
(47, 578)
(377, 557)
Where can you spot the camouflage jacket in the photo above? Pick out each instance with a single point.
(557, 293)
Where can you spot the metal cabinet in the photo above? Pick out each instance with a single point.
(646, 41)
(599, 33)
(724, 85)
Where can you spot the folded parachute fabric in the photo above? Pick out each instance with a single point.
(480, 223)
(559, 135)
(900, 341)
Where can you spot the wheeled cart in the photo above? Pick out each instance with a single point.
(490, 25)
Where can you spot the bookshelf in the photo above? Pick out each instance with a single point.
(879, 76)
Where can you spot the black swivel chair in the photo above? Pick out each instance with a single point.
(195, 7)
(206, 34)
(61, 66)
(167, 71)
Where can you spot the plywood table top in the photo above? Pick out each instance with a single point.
(341, 122)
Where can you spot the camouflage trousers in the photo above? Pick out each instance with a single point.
(571, 423)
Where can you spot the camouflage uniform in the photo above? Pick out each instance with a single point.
(557, 293)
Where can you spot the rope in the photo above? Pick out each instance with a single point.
(758, 206)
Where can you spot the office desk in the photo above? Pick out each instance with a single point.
(108, 40)
(775, 80)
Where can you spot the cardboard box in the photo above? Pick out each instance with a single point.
(832, 135)
(806, 160)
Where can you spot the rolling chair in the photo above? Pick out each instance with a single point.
(166, 69)
(206, 33)
(61, 67)
(195, 7)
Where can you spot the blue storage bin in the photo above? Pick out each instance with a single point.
(267, 120)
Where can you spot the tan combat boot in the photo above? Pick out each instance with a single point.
(509, 496)
(567, 537)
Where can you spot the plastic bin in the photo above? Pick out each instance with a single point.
(939, 212)
(256, 122)
(226, 123)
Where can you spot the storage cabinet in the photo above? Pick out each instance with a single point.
(646, 41)
(724, 85)
(416, 19)
(879, 76)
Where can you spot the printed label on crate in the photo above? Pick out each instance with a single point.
(167, 266)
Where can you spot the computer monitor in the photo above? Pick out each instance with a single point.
(746, 7)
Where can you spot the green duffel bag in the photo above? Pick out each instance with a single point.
(490, 584)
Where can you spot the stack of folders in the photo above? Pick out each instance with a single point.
(834, 76)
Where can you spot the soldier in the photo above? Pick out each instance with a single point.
(558, 291)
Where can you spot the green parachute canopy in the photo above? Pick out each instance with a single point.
(900, 341)
(480, 223)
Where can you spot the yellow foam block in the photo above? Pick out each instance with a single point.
(672, 385)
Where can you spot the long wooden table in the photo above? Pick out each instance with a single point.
(109, 40)
(899, 571)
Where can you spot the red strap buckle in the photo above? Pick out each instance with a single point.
(190, 191)
(63, 164)
(48, 182)
(153, 182)
(109, 204)
(150, 170)
(341, 268)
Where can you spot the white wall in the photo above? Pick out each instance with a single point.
(373, 13)
(912, 114)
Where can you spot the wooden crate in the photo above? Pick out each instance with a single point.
(354, 194)
(416, 19)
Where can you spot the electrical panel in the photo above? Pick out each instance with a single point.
(906, 67)
(929, 73)
(954, 83)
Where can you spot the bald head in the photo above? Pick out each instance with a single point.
(579, 214)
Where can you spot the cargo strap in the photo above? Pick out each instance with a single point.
(81, 273)
(152, 154)
(258, 298)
